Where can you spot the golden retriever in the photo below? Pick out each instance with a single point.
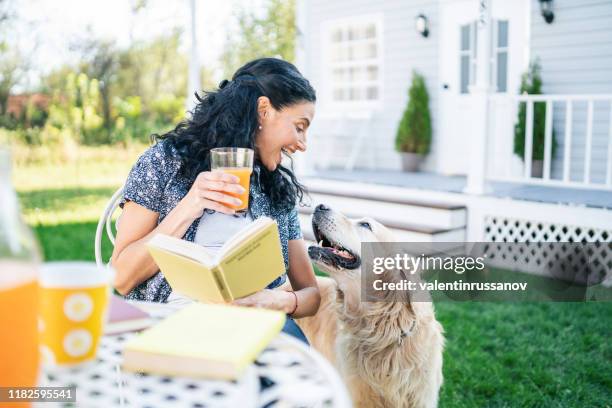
(389, 353)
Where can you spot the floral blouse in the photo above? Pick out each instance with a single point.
(155, 184)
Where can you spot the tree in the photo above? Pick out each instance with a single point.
(270, 36)
(414, 130)
(13, 63)
(153, 68)
(100, 61)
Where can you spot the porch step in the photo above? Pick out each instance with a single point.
(403, 232)
(413, 215)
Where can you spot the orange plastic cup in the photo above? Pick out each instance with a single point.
(73, 308)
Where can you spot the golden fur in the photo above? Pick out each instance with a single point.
(364, 339)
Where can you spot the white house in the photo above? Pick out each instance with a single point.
(360, 55)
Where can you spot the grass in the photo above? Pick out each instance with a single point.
(497, 354)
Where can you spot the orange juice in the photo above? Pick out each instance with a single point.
(244, 173)
(19, 355)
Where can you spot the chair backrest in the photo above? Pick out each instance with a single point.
(106, 222)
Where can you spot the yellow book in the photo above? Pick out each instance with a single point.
(203, 340)
(249, 261)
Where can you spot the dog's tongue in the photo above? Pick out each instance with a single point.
(342, 253)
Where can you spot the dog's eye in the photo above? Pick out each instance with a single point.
(365, 224)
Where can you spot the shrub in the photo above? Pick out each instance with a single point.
(414, 130)
(531, 83)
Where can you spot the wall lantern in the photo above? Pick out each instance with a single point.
(546, 9)
(422, 25)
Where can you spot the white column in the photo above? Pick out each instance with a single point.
(301, 162)
(194, 84)
(480, 92)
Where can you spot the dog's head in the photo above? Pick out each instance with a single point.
(338, 249)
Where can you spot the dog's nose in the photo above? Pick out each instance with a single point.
(322, 207)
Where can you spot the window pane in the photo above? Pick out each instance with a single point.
(371, 31)
(465, 37)
(502, 71)
(475, 39)
(465, 74)
(351, 33)
(372, 93)
(371, 51)
(502, 33)
(372, 73)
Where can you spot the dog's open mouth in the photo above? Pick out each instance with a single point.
(332, 253)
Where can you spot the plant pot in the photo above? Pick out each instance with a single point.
(537, 167)
(411, 161)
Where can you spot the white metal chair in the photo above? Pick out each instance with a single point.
(106, 222)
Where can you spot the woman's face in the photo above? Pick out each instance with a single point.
(281, 130)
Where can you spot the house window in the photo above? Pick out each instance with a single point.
(499, 56)
(354, 60)
(467, 57)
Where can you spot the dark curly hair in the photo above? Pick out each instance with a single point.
(229, 117)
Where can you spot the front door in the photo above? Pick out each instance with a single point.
(458, 66)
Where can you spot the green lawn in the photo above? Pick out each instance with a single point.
(497, 354)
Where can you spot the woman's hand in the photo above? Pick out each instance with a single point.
(269, 299)
(209, 190)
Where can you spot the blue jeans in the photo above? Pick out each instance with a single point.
(292, 329)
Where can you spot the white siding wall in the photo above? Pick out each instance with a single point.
(576, 56)
(403, 50)
(575, 52)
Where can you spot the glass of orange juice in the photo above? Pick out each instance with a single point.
(239, 162)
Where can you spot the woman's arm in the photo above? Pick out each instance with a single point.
(303, 282)
(131, 259)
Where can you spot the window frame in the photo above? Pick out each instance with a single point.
(328, 66)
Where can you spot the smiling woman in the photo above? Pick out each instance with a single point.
(267, 106)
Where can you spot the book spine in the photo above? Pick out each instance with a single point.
(221, 284)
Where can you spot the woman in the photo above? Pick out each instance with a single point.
(267, 106)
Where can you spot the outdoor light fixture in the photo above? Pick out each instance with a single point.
(546, 9)
(422, 25)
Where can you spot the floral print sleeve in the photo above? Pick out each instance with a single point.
(147, 180)
(294, 229)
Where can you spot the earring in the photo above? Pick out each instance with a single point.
(259, 127)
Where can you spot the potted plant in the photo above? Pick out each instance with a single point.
(414, 131)
(531, 83)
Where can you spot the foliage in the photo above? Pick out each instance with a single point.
(414, 130)
(272, 35)
(531, 83)
(75, 112)
(151, 69)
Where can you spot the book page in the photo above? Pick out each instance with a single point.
(254, 263)
(183, 248)
(188, 277)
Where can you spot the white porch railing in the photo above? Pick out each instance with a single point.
(564, 175)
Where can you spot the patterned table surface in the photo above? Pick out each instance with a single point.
(286, 374)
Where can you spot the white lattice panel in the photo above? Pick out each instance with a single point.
(539, 259)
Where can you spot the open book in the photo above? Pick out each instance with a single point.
(249, 261)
